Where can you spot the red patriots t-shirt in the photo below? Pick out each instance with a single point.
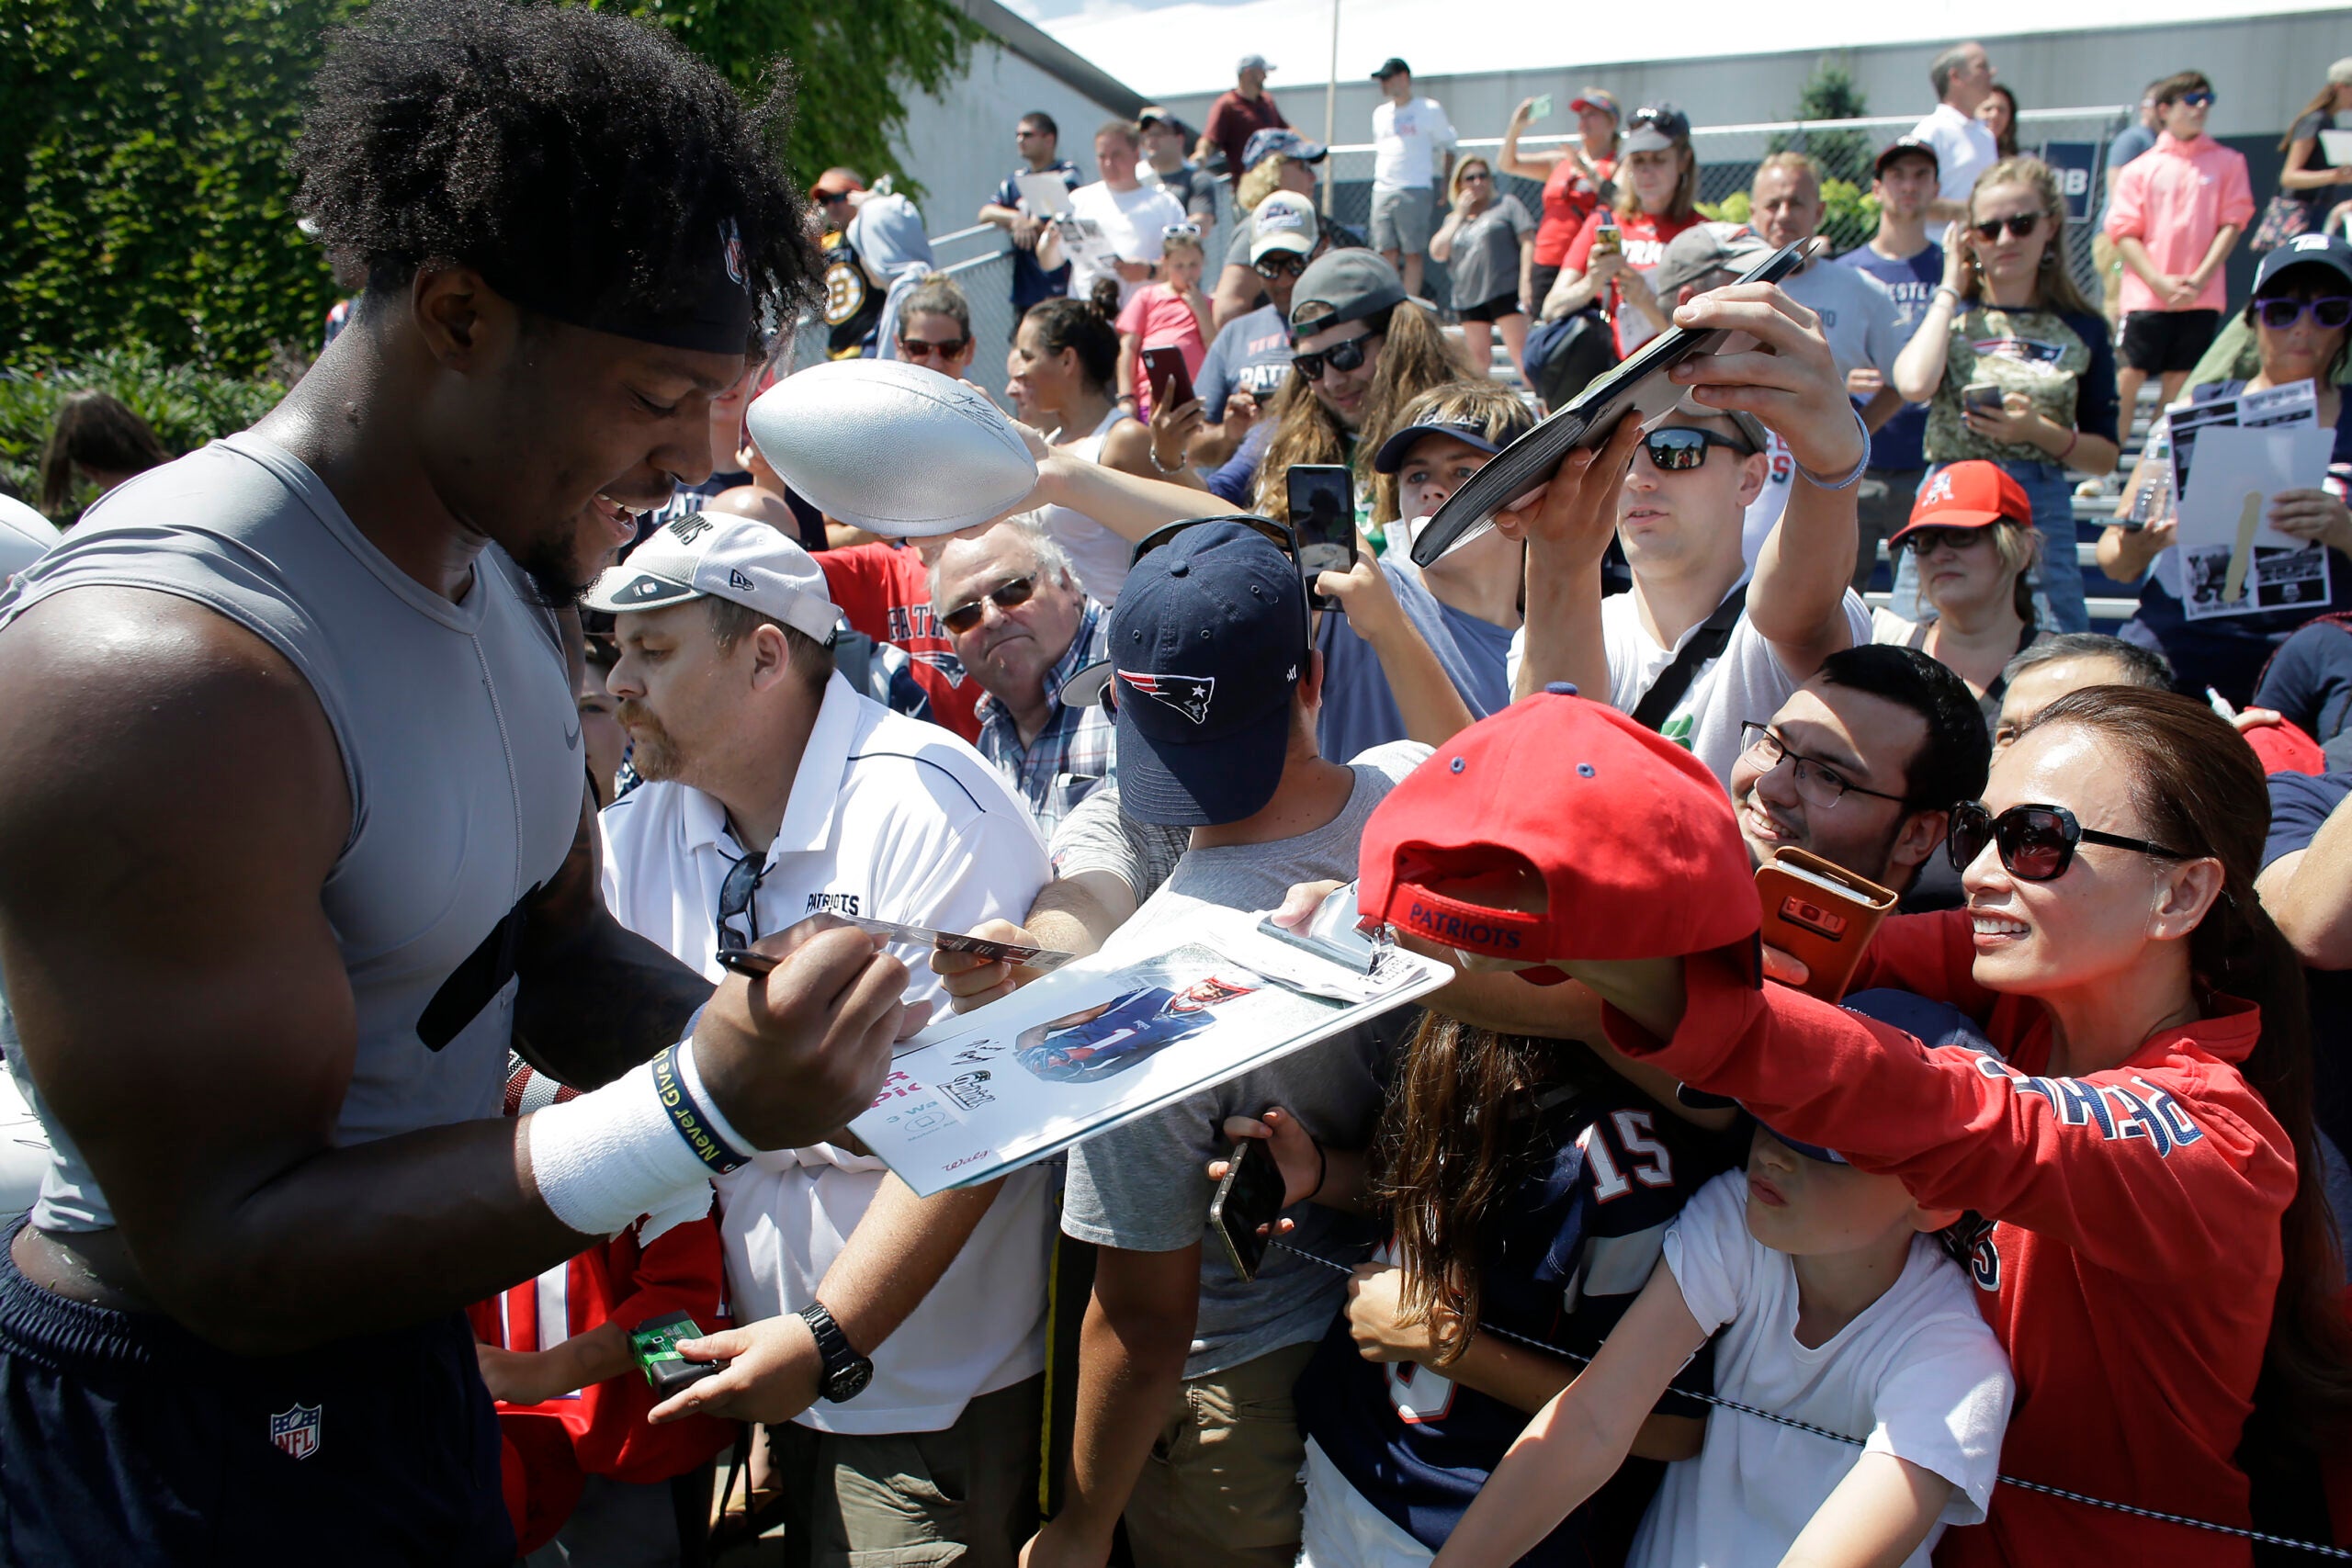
(886, 594)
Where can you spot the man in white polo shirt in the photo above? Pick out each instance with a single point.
(1962, 78)
(773, 792)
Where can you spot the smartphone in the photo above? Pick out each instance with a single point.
(1541, 108)
(1822, 913)
(1165, 367)
(1981, 396)
(1323, 514)
(1250, 1196)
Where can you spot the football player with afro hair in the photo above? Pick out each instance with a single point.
(294, 842)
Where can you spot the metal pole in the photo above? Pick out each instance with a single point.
(1330, 111)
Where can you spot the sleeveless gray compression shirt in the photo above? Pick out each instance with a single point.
(460, 746)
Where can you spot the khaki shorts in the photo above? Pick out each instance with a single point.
(1401, 220)
(966, 1495)
(1222, 1488)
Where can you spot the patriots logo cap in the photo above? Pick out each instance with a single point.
(736, 558)
(1207, 644)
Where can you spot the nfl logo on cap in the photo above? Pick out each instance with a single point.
(295, 1432)
(1939, 488)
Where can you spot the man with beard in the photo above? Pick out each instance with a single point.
(901, 1418)
(294, 842)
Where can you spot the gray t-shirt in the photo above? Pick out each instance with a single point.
(1144, 1188)
(1484, 263)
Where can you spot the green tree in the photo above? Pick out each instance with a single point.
(1844, 155)
(145, 194)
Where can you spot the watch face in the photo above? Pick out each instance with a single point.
(848, 1383)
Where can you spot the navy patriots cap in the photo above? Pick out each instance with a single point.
(1207, 643)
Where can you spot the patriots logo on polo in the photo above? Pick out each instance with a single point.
(735, 578)
(295, 1432)
(1939, 488)
(731, 251)
(1188, 695)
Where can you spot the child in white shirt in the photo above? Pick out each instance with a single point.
(1837, 1309)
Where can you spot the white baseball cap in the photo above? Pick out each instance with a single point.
(1284, 221)
(737, 559)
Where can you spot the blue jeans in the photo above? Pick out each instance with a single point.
(2058, 581)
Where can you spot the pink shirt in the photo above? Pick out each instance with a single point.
(2173, 201)
(1158, 317)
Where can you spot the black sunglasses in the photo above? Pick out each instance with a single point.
(735, 903)
(1922, 540)
(2037, 843)
(923, 348)
(1289, 264)
(2196, 100)
(1678, 448)
(1005, 595)
(2021, 224)
(1340, 356)
(2331, 312)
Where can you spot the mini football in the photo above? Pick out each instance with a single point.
(894, 448)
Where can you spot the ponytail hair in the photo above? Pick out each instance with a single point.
(1083, 326)
(2200, 789)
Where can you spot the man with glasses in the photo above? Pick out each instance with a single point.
(773, 792)
(1251, 358)
(1700, 646)
(1962, 78)
(1185, 1371)
(2174, 216)
(1038, 140)
(1022, 626)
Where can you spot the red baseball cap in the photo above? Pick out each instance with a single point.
(1970, 494)
(1633, 839)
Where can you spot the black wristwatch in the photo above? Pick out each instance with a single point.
(846, 1373)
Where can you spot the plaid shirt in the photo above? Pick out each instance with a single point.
(1071, 756)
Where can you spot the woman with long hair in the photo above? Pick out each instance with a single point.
(1999, 114)
(2300, 312)
(98, 441)
(1352, 371)
(2016, 366)
(1971, 536)
(1577, 179)
(1064, 366)
(2158, 1261)
(2310, 179)
(1486, 244)
(1657, 187)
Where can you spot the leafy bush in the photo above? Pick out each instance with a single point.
(187, 407)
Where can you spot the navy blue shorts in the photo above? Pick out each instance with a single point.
(126, 1441)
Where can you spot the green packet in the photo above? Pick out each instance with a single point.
(655, 1346)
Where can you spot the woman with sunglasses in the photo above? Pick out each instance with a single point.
(2302, 317)
(2141, 1147)
(1487, 245)
(1657, 183)
(1576, 180)
(2010, 321)
(1065, 356)
(1971, 536)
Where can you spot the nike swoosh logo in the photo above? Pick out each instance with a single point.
(572, 734)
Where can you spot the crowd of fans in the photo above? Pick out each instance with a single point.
(1632, 1244)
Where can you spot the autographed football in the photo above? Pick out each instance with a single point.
(894, 448)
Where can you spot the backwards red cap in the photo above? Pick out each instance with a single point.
(1633, 838)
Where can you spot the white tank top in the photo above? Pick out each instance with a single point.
(1099, 555)
(460, 747)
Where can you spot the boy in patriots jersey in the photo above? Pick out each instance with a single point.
(1528, 1190)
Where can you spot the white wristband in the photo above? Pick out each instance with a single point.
(603, 1159)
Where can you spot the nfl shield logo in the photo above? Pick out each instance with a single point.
(296, 1431)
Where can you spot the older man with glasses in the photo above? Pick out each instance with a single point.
(901, 1418)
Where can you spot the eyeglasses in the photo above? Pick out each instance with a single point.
(1004, 596)
(2020, 224)
(1340, 357)
(735, 903)
(1678, 448)
(1922, 540)
(2037, 843)
(1480, 174)
(924, 349)
(1819, 785)
(1289, 264)
(2333, 312)
(1180, 231)
(2196, 100)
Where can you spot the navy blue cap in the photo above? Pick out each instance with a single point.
(1208, 641)
(1263, 145)
(1933, 1022)
(2305, 250)
(1391, 455)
